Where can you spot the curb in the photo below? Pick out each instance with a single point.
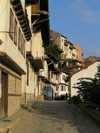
(7, 128)
(91, 113)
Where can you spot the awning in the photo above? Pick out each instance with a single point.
(22, 17)
(4, 58)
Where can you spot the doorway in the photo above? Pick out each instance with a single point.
(4, 95)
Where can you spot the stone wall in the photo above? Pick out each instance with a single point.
(29, 97)
(14, 94)
(14, 89)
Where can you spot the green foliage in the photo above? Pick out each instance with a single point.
(56, 51)
(63, 66)
(76, 99)
(89, 89)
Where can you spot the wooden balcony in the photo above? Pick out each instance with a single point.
(4, 58)
(37, 63)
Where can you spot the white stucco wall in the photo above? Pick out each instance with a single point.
(69, 56)
(87, 72)
(23, 4)
(8, 46)
(29, 43)
(62, 43)
(37, 44)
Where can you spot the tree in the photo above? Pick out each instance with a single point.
(56, 51)
(89, 88)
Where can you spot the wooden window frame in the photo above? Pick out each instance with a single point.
(61, 88)
(15, 32)
(56, 77)
(22, 44)
(11, 27)
(24, 49)
(57, 87)
(19, 39)
(27, 74)
(51, 74)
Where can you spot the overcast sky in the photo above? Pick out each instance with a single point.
(79, 21)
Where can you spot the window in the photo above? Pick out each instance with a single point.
(51, 75)
(19, 40)
(23, 46)
(62, 47)
(62, 40)
(61, 88)
(27, 74)
(64, 88)
(22, 41)
(57, 87)
(11, 28)
(56, 77)
(63, 77)
(15, 33)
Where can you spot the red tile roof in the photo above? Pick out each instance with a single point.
(83, 68)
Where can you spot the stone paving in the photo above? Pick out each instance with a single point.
(56, 117)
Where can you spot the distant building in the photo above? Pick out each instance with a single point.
(89, 60)
(79, 49)
(87, 71)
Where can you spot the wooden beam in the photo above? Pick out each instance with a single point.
(18, 11)
(15, 6)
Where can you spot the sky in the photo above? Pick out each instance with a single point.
(79, 21)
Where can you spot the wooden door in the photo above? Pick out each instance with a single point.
(38, 85)
(56, 95)
(4, 96)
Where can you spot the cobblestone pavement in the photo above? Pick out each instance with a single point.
(56, 117)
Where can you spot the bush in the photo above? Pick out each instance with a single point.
(89, 88)
(76, 100)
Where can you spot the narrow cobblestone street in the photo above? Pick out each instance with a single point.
(56, 117)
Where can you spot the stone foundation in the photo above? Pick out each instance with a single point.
(40, 97)
(14, 90)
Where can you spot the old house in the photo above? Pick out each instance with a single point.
(79, 49)
(14, 33)
(89, 60)
(87, 71)
(63, 86)
(52, 79)
(39, 19)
